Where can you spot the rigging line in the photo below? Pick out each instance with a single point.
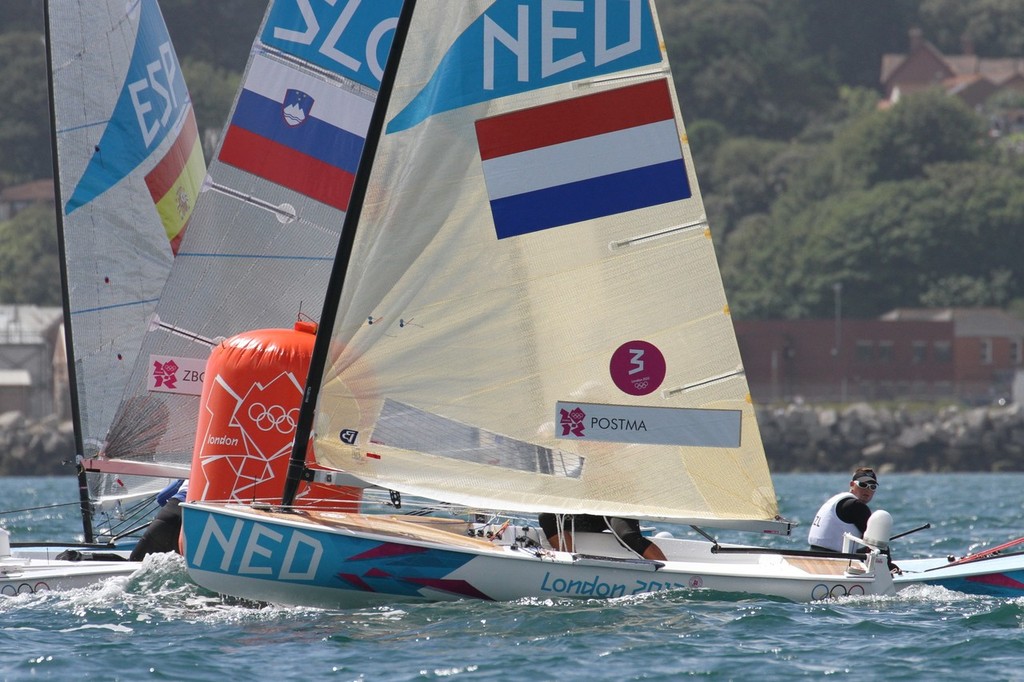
(619, 539)
(69, 342)
(700, 224)
(45, 506)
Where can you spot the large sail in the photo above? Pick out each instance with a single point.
(129, 166)
(263, 235)
(532, 316)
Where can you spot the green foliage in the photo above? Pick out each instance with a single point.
(212, 90)
(951, 237)
(967, 291)
(219, 33)
(806, 183)
(21, 15)
(923, 129)
(745, 175)
(29, 258)
(705, 136)
(737, 62)
(992, 28)
(24, 122)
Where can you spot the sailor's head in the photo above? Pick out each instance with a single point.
(863, 483)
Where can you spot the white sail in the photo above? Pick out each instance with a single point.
(532, 317)
(129, 167)
(265, 229)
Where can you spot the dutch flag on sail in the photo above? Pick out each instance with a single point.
(582, 158)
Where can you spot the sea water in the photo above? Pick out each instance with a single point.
(158, 625)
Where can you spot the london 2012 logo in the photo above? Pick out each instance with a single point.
(572, 422)
(637, 367)
(165, 374)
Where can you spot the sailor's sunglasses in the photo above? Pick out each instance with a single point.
(862, 484)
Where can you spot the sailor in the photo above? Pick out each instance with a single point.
(162, 533)
(847, 512)
(626, 531)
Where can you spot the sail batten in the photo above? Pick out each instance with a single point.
(540, 368)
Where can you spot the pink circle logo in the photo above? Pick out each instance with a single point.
(637, 368)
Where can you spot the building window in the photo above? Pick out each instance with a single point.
(943, 351)
(986, 351)
(919, 352)
(865, 351)
(885, 352)
(1015, 351)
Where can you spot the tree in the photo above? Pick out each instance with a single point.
(922, 129)
(24, 121)
(746, 64)
(743, 180)
(219, 33)
(853, 36)
(991, 28)
(29, 258)
(951, 238)
(21, 15)
(212, 90)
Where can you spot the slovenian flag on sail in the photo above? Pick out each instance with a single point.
(297, 130)
(582, 158)
(175, 181)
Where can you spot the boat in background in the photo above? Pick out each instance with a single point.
(261, 240)
(997, 571)
(129, 166)
(525, 315)
(32, 574)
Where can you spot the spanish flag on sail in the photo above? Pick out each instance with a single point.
(175, 181)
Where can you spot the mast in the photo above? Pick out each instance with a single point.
(76, 419)
(332, 296)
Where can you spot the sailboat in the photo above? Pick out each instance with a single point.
(261, 239)
(129, 166)
(996, 571)
(525, 315)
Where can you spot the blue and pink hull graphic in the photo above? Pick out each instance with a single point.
(241, 548)
(351, 561)
(997, 576)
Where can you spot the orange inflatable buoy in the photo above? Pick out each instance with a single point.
(247, 416)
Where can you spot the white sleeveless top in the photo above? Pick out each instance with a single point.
(827, 529)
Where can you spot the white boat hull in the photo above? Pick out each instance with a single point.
(999, 576)
(22, 575)
(348, 560)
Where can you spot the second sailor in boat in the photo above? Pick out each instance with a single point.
(163, 531)
(626, 531)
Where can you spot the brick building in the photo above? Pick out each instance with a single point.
(971, 355)
(15, 199)
(972, 78)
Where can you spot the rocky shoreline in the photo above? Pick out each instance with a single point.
(797, 438)
(920, 439)
(36, 447)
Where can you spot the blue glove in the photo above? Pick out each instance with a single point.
(182, 492)
(168, 492)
